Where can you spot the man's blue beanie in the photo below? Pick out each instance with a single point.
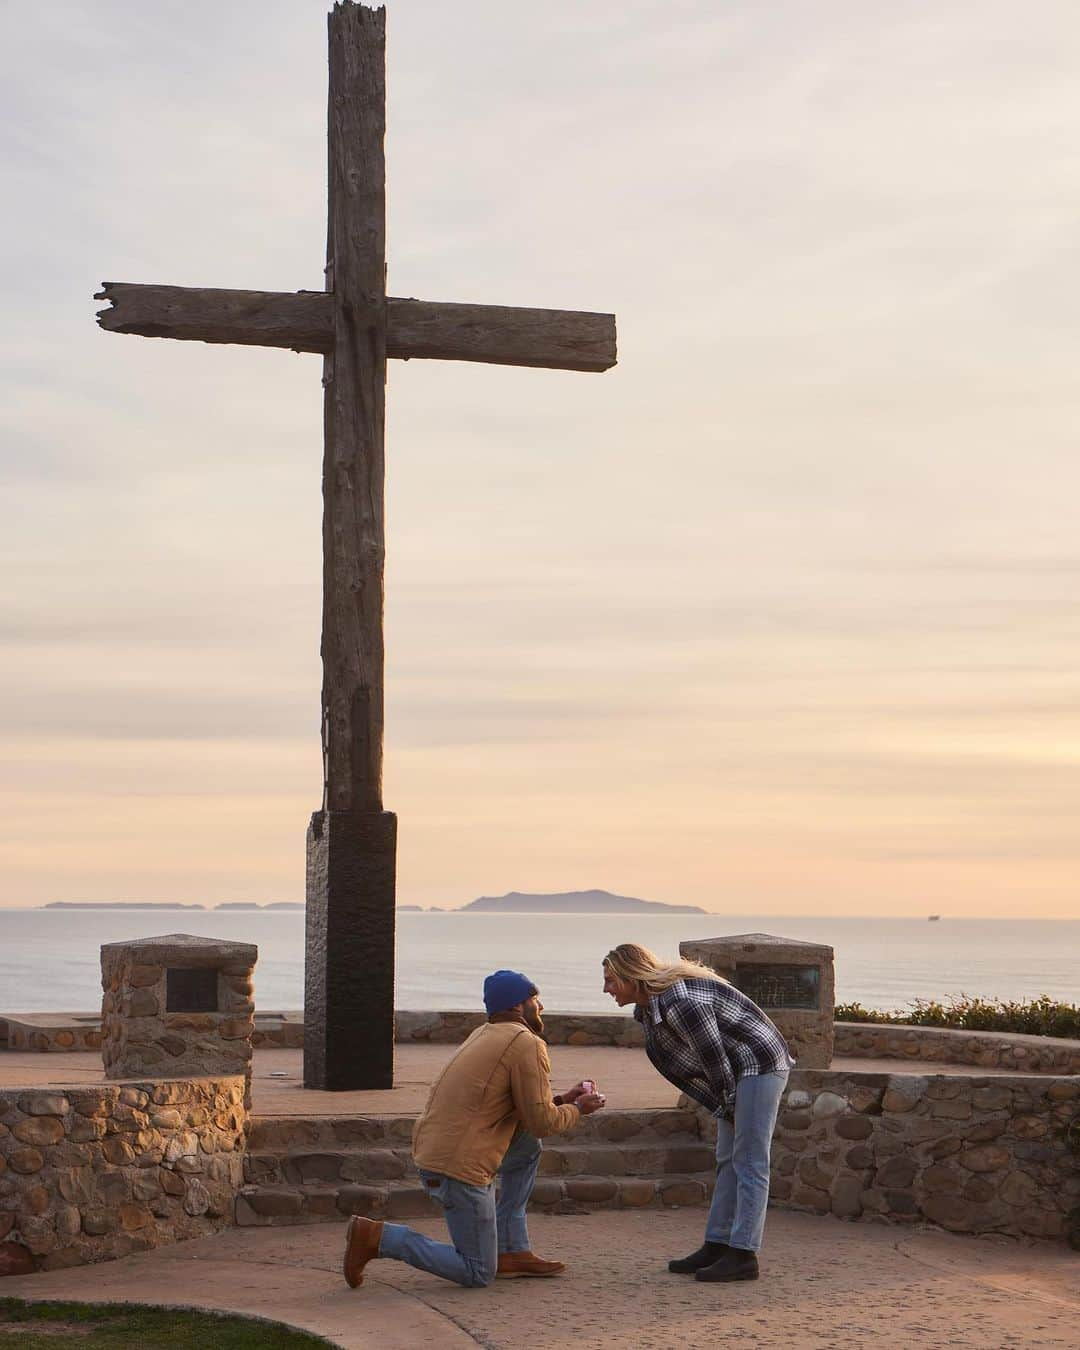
(505, 989)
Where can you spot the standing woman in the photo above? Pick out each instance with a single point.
(715, 1044)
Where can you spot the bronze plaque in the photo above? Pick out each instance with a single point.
(780, 986)
(191, 990)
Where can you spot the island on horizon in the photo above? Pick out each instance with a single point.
(169, 904)
(119, 904)
(572, 902)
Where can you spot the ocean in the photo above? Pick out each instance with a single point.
(49, 958)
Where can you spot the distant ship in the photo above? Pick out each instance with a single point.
(933, 918)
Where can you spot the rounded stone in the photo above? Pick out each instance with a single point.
(860, 1157)
(985, 1158)
(117, 1150)
(26, 1161)
(134, 1217)
(978, 1189)
(44, 1104)
(15, 1259)
(35, 1200)
(38, 1234)
(142, 1003)
(941, 1180)
(812, 1197)
(899, 1171)
(949, 1211)
(112, 1187)
(91, 1102)
(813, 1175)
(39, 1130)
(828, 1104)
(854, 1127)
(145, 1186)
(87, 1129)
(196, 1198)
(847, 1197)
(170, 1183)
(96, 1223)
(76, 1185)
(141, 976)
(1018, 1189)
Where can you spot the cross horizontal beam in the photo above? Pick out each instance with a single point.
(552, 339)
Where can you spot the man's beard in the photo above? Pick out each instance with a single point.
(534, 1022)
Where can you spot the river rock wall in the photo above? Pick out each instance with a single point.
(971, 1154)
(92, 1173)
(942, 1045)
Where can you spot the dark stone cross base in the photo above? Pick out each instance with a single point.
(349, 967)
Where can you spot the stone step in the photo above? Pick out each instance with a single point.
(643, 1157)
(289, 1133)
(271, 1205)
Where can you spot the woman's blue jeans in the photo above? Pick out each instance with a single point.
(481, 1226)
(737, 1213)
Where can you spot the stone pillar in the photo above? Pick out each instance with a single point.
(792, 982)
(177, 1005)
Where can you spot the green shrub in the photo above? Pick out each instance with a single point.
(1042, 1016)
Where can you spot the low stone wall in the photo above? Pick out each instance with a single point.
(52, 1034)
(866, 1040)
(449, 1028)
(974, 1155)
(942, 1045)
(92, 1173)
(279, 1031)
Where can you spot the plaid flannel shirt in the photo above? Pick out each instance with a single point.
(704, 1035)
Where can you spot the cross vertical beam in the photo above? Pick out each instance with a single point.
(351, 842)
(349, 974)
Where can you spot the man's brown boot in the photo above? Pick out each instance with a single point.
(361, 1246)
(512, 1264)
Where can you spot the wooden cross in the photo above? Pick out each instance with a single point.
(349, 973)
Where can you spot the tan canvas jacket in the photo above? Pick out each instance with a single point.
(498, 1080)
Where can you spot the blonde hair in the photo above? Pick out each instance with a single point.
(650, 973)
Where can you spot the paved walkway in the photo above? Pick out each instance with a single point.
(825, 1284)
(625, 1076)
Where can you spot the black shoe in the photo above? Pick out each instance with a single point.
(704, 1256)
(735, 1264)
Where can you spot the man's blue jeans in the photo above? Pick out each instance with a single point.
(481, 1227)
(737, 1213)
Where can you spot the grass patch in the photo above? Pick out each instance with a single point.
(1041, 1016)
(119, 1326)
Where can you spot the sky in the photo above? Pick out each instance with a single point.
(780, 615)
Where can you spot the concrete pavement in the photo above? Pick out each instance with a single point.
(825, 1284)
(625, 1075)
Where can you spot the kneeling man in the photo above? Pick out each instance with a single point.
(487, 1112)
